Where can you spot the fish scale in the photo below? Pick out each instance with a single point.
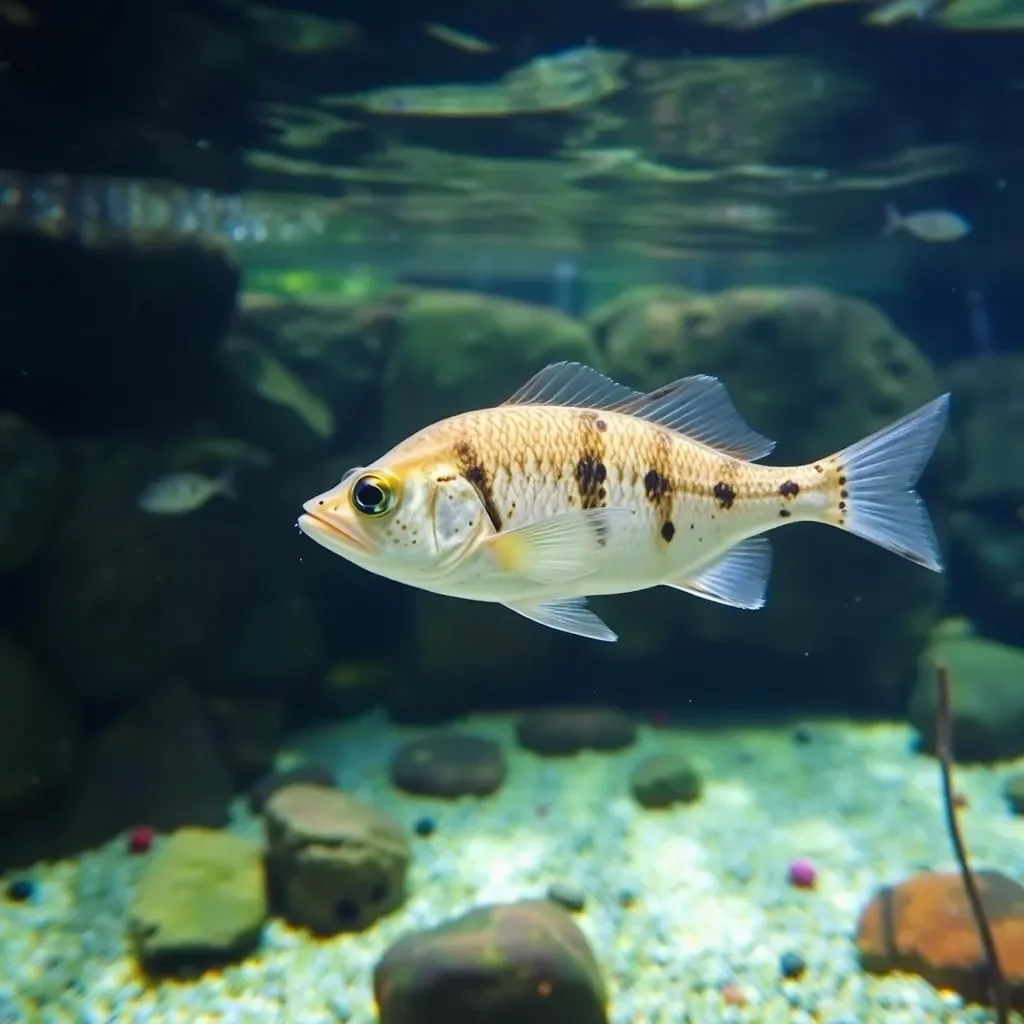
(578, 486)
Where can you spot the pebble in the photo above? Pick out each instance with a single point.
(792, 964)
(425, 827)
(141, 839)
(801, 874)
(567, 896)
(20, 890)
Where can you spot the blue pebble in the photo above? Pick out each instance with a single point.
(792, 965)
(20, 890)
(425, 827)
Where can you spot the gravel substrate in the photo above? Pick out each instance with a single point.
(679, 904)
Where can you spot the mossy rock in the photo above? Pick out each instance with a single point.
(458, 351)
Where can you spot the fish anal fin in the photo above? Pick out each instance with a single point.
(559, 549)
(700, 408)
(739, 578)
(572, 384)
(568, 615)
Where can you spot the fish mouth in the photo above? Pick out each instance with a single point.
(329, 534)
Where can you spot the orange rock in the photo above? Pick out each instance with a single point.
(924, 926)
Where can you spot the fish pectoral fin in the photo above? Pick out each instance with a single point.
(568, 615)
(700, 408)
(564, 547)
(739, 578)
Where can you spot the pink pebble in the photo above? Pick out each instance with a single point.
(802, 874)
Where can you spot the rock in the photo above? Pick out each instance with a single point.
(457, 351)
(124, 599)
(567, 896)
(449, 765)
(157, 762)
(1013, 790)
(987, 692)
(336, 349)
(39, 740)
(127, 334)
(31, 485)
(987, 426)
(201, 900)
(336, 864)
(665, 779)
(277, 648)
(924, 926)
(503, 964)
(854, 373)
(564, 731)
(274, 782)
(250, 731)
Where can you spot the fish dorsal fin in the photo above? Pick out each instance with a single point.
(700, 407)
(572, 384)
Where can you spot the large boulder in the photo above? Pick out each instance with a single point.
(31, 486)
(110, 336)
(124, 598)
(39, 739)
(457, 351)
(987, 696)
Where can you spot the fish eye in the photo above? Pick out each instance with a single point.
(372, 495)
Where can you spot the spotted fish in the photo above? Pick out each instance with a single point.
(578, 486)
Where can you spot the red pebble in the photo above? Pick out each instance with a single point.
(140, 839)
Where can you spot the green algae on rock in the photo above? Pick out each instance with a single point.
(457, 351)
(201, 900)
(987, 697)
(502, 963)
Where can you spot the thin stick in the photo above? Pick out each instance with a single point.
(944, 749)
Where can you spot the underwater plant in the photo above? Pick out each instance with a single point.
(944, 749)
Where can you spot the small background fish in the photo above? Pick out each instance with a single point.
(181, 493)
(927, 225)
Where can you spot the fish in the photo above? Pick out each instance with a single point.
(180, 493)
(459, 40)
(578, 486)
(928, 225)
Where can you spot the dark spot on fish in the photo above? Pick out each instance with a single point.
(590, 474)
(445, 479)
(724, 494)
(655, 485)
(844, 493)
(473, 470)
(790, 489)
(818, 469)
(842, 506)
(600, 424)
(784, 513)
(842, 481)
(668, 531)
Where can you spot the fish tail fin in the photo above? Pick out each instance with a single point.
(893, 219)
(227, 484)
(871, 484)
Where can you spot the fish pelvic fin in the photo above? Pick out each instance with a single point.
(870, 485)
(567, 615)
